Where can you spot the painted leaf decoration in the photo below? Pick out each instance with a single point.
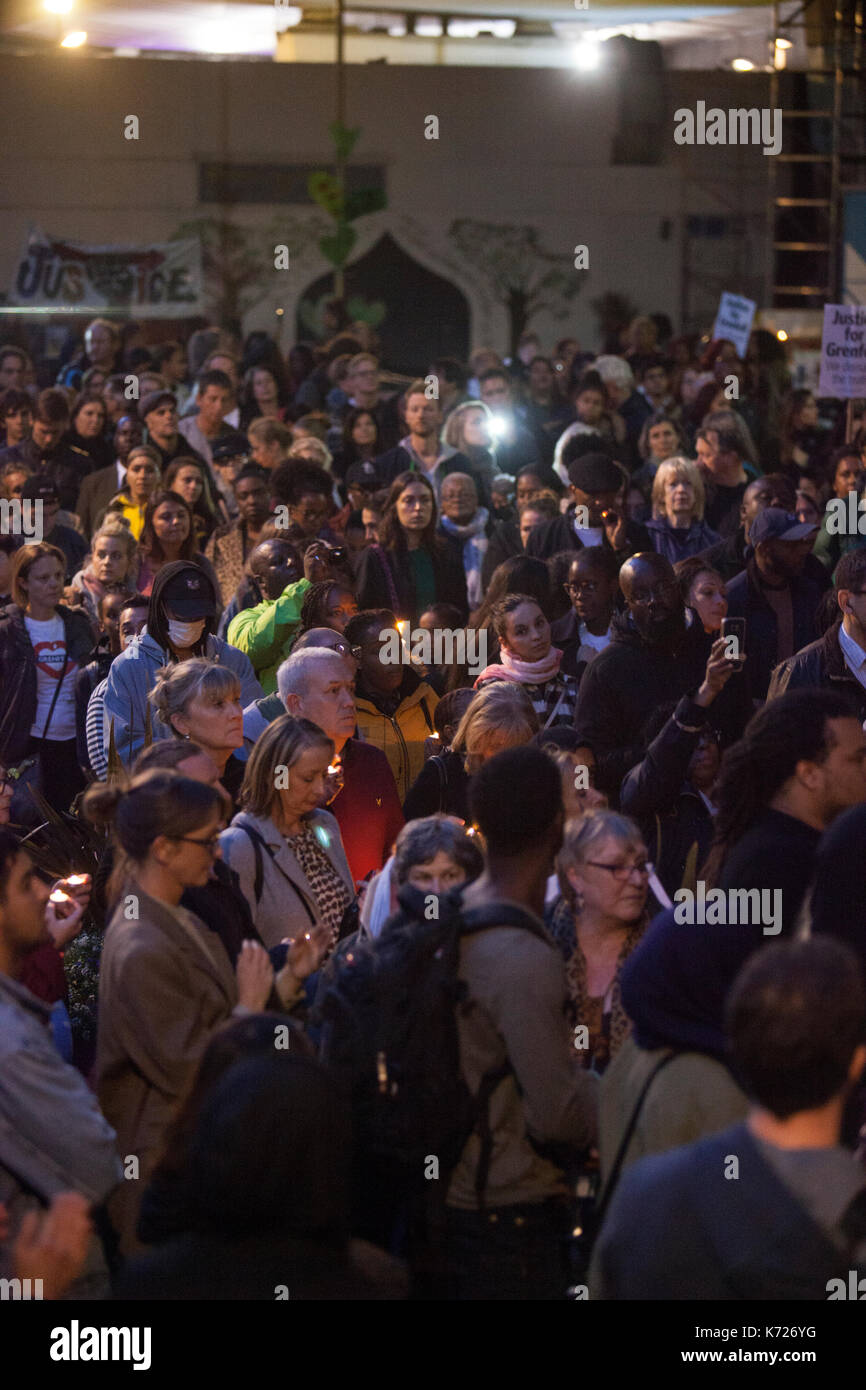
(324, 190)
(364, 201)
(336, 248)
(345, 138)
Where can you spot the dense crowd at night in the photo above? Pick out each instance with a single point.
(432, 820)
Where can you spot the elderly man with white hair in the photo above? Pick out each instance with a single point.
(318, 683)
(623, 397)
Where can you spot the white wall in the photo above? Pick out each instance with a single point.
(515, 146)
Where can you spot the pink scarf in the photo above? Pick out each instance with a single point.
(524, 672)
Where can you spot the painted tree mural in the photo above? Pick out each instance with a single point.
(519, 272)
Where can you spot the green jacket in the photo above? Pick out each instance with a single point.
(266, 633)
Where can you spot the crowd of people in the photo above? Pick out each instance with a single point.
(433, 814)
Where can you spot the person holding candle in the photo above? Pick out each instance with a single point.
(166, 983)
(287, 851)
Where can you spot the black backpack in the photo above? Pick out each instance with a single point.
(387, 1015)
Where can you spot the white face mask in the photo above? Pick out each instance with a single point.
(183, 635)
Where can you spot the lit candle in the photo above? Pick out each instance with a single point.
(77, 879)
(333, 769)
(59, 897)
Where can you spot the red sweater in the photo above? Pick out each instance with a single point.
(368, 808)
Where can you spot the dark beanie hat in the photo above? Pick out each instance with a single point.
(595, 473)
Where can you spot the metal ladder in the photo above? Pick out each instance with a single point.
(823, 152)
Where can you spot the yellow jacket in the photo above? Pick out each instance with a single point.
(401, 735)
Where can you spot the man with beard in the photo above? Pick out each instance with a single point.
(776, 594)
(658, 653)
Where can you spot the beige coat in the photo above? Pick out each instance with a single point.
(161, 997)
(287, 903)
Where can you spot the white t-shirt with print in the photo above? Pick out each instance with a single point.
(49, 647)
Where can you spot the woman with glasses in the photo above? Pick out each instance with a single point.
(411, 567)
(166, 982)
(286, 851)
(604, 875)
(203, 698)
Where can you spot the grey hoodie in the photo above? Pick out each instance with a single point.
(132, 677)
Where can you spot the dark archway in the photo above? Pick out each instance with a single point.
(423, 315)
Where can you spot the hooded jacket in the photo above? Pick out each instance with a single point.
(400, 735)
(18, 676)
(631, 678)
(266, 633)
(133, 673)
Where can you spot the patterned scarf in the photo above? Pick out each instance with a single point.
(475, 544)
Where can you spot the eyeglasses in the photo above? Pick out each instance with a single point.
(210, 845)
(343, 649)
(653, 595)
(622, 872)
(586, 586)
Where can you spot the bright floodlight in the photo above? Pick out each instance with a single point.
(58, 6)
(587, 55)
(74, 40)
(743, 65)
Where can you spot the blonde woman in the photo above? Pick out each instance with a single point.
(468, 429)
(604, 874)
(500, 716)
(677, 528)
(112, 564)
(202, 699)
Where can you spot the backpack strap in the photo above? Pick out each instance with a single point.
(425, 711)
(257, 843)
(502, 915)
(616, 1166)
(442, 770)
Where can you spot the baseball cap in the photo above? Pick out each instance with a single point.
(775, 524)
(595, 473)
(189, 593)
(153, 400)
(40, 490)
(362, 475)
(230, 446)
